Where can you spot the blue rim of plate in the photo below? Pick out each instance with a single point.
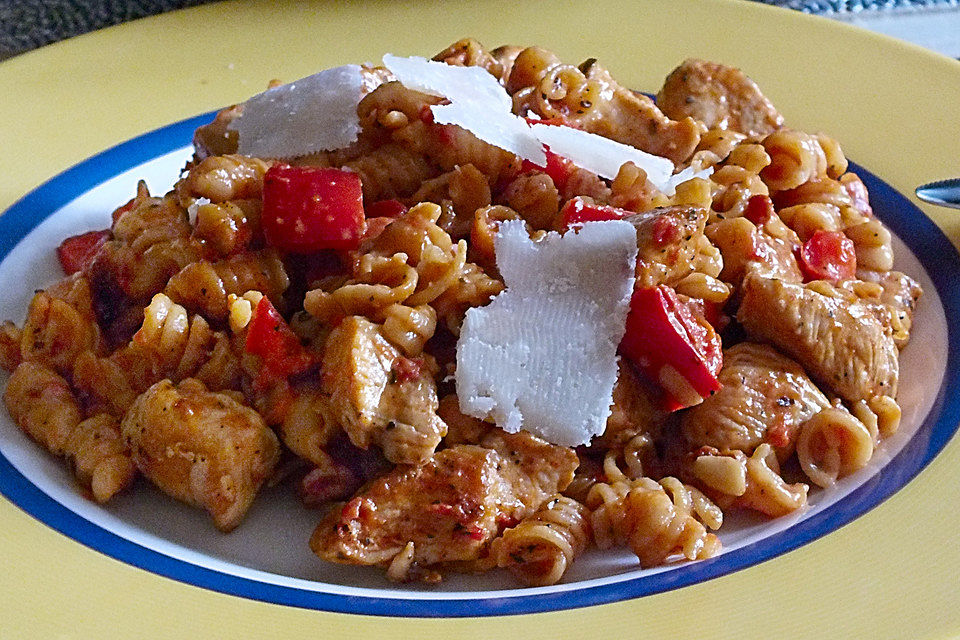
(927, 242)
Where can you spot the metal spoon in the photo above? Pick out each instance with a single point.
(945, 193)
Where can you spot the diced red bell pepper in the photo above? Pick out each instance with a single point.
(270, 337)
(558, 168)
(77, 252)
(759, 209)
(122, 209)
(673, 346)
(306, 209)
(385, 209)
(827, 255)
(577, 210)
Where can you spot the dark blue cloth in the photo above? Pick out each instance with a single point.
(27, 24)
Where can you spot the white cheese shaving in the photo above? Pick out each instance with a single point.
(542, 355)
(477, 103)
(316, 113)
(600, 155)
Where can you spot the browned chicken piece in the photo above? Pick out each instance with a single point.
(841, 343)
(450, 508)
(539, 469)
(720, 97)
(201, 447)
(379, 396)
(43, 405)
(669, 240)
(746, 247)
(764, 397)
(632, 413)
(633, 118)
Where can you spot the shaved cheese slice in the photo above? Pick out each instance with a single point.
(542, 356)
(600, 155)
(477, 103)
(686, 174)
(316, 113)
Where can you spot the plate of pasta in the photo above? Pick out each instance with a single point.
(348, 347)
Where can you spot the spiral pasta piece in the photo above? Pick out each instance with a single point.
(223, 178)
(656, 520)
(228, 227)
(832, 444)
(43, 405)
(540, 549)
(55, 333)
(9, 345)
(873, 245)
(795, 158)
(99, 457)
(203, 286)
(409, 327)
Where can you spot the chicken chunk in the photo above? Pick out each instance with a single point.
(841, 343)
(633, 118)
(379, 396)
(720, 97)
(764, 397)
(451, 507)
(201, 447)
(671, 244)
(632, 413)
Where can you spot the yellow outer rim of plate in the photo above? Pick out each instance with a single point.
(893, 573)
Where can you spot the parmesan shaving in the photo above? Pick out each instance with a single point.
(316, 113)
(600, 155)
(542, 356)
(477, 103)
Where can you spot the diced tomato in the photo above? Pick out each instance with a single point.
(827, 255)
(759, 209)
(77, 252)
(119, 211)
(558, 168)
(577, 210)
(385, 209)
(306, 209)
(270, 337)
(662, 333)
(407, 369)
(664, 230)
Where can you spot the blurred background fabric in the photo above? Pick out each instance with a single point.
(28, 24)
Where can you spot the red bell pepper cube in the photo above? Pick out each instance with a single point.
(77, 252)
(673, 346)
(270, 337)
(577, 210)
(306, 209)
